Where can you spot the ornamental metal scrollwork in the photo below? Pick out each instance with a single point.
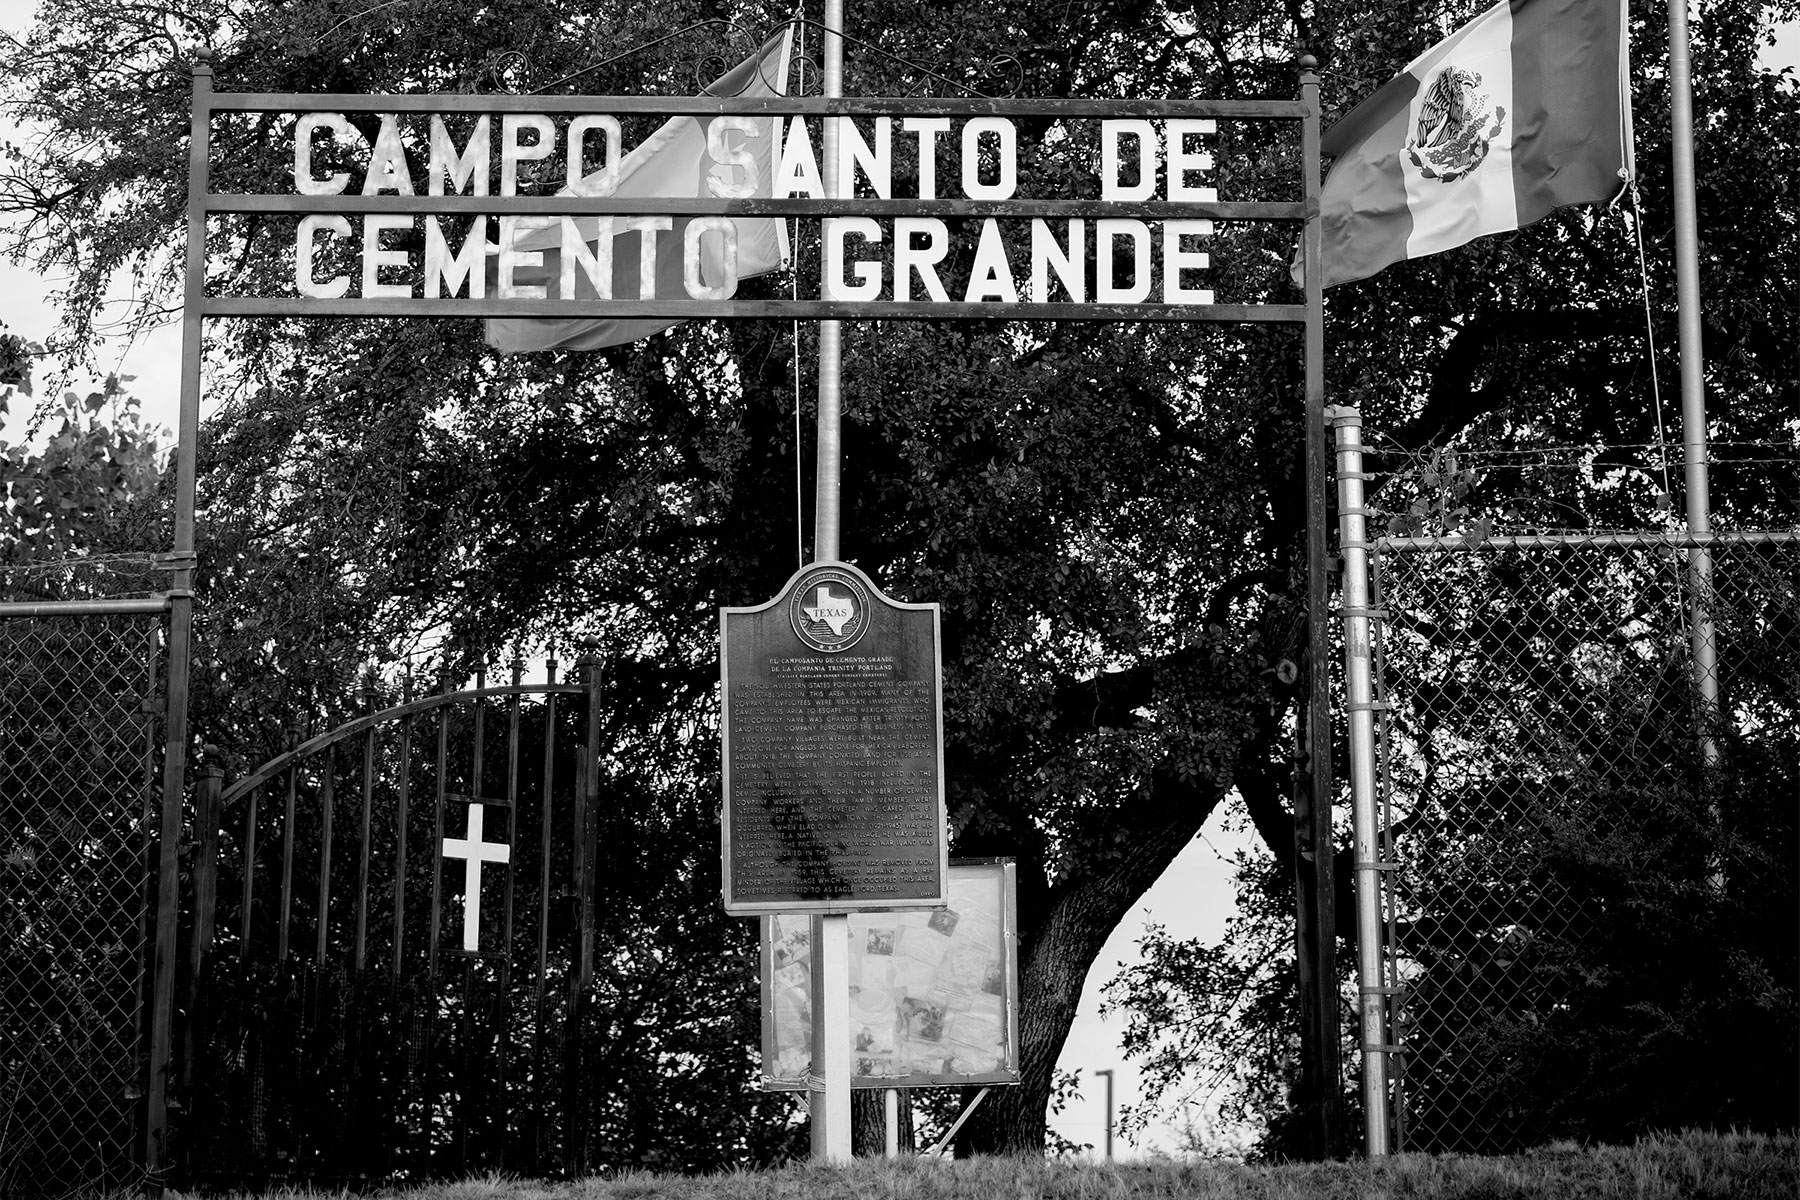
(999, 77)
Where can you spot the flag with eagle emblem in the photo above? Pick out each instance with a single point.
(1525, 109)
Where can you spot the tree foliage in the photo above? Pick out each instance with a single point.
(69, 488)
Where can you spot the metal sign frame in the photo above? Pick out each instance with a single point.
(738, 905)
(203, 203)
(1002, 874)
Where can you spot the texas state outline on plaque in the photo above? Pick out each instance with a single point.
(835, 611)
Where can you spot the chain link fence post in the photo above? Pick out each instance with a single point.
(1371, 987)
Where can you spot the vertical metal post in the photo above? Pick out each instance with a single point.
(206, 879)
(827, 511)
(891, 1123)
(831, 932)
(547, 791)
(1315, 928)
(206, 862)
(249, 893)
(1693, 379)
(512, 809)
(327, 810)
(402, 817)
(1107, 1074)
(829, 1081)
(368, 812)
(587, 786)
(589, 670)
(287, 852)
(181, 625)
(1359, 681)
(437, 834)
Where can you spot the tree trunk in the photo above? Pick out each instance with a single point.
(868, 1122)
(1054, 957)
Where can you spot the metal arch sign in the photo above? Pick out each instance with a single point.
(410, 206)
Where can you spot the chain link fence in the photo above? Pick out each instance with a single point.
(1590, 914)
(80, 755)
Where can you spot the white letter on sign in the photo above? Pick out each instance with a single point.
(387, 163)
(332, 288)
(719, 178)
(647, 228)
(924, 260)
(513, 152)
(1176, 260)
(1007, 155)
(444, 275)
(1181, 161)
(597, 262)
(698, 228)
(991, 275)
(798, 168)
(1145, 135)
(878, 164)
(927, 128)
(466, 170)
(512, 231)
(1105, 292)
(868, 275)
(605, 181)
(374, 257)
(1070, 265)
(304, 183)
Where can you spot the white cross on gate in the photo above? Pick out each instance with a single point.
(475, 852)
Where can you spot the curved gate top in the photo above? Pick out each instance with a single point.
(394, 929)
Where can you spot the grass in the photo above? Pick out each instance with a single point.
(1689, 1166)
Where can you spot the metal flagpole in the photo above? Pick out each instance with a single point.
(1693, 383)
(829, 1087)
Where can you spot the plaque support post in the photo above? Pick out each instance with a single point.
(830, 1095)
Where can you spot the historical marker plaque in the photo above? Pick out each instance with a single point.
(833, 764)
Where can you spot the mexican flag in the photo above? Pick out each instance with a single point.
(1525, 109)
(672, 162)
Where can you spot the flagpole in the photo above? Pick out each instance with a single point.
(827, 486)
(1693, 382)
(829, 1088)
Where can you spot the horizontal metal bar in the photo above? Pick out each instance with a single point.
(762, 206)
(1383, 1048)
(1369, 989)
(463, 798)
(1577, 541)
(784, 310)
(1377, 865)
(157, 602)
(803, 106)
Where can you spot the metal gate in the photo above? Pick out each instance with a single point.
(393, 982)
(80, 762)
